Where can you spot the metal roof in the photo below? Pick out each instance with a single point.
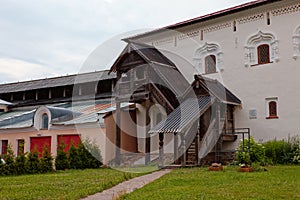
(184, 116)
(203, 18)
(218, 90)
(56, 81)
(2, 102)
(17, 119)
(146, 52)
(173, 79)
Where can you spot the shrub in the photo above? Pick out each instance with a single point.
(21, 164)
(279, 152)
(61, 160)
(255, 154)
(9, 168)
(46, 161)
(74, 158)
(93, 154)
(33, 162)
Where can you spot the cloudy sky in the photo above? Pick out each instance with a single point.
(49, 38)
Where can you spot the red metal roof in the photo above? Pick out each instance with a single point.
(206, 17)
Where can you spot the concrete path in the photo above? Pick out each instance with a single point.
(127, 186)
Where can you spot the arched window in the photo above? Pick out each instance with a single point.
(209, 58)
(261, 48)
(210, 64)
(45, 121)
(263, 54)
(272, 110)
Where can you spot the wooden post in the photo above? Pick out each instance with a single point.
(197, 148)
(118, 133)
(148, 141)
(175, 148)
(183, 151)
(161, 150)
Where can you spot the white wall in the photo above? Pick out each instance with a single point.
(251, 84)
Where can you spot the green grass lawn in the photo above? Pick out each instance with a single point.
(71, 184)
(279, 182)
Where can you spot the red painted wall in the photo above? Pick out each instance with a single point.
(39, 143)
(68, 140)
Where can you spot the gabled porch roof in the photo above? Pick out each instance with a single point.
(184, 115)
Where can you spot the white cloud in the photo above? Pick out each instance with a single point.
(56, 36)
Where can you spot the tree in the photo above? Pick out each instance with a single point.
(61, 160)
(74, 159)
(46, 161)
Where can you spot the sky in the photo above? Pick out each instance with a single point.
(42, 39)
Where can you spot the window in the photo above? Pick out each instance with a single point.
(261, 48)
(272, 109)
(210, 64)
(45, 121)
(4, 144)
(21, 144)
(209, 58)
(263, 54)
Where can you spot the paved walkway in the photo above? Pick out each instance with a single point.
(127, 186)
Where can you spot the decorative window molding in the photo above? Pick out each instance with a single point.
(296, 43)
(41, 116)
(208, 49)
(272, 108)
(251, 55)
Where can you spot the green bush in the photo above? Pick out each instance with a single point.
(255, 154)
(94, 157)
(9, 167)
(74, 158)
(21, 164)
(33, 162)
(61, 160)
(46, 161)
(279, 151)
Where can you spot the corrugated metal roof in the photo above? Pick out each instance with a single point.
(219, 90)
(173, 79)
(2, 102)
(183, 116)
(113, 108)
(203, 18)
(17, 119)
(56, 81)
(147, 53)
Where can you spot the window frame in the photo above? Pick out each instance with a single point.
(259, 54)
(21, 149)
(4, 147)
(206, 64)
(272, 109)
(44, 125)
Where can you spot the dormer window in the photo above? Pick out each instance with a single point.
(45, 121)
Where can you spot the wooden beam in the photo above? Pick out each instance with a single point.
(147, 128)
(183, 150)
(118, 134)
(161, 150)
(175, 148)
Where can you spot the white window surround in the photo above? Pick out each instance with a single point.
(258, 39)
(206, 50)
(39, 115)
(296, 43)
(267, 101)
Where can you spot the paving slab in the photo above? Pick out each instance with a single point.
(128, 186)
